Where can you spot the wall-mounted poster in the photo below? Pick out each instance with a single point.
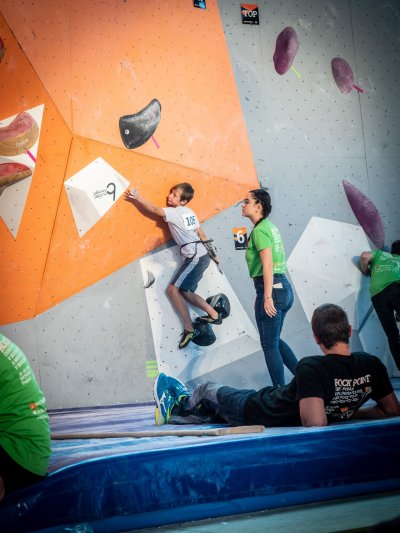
(200, 3)
(249, 13)
(240, 238)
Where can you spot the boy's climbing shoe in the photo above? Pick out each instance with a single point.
(187, 336)
(210, 320)
(165, 399)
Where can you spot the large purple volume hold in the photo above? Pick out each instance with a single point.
(286, 48)
(366, 213)
(342, 74)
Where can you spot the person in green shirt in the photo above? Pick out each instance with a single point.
(266, 262)
(384, 269)
(24, 422)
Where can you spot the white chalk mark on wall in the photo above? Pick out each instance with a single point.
(237, 338)
(92, 192)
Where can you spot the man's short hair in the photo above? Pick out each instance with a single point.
(330, 325)
(187, 191)
(395, 250)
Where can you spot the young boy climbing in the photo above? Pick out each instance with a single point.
(195, 249)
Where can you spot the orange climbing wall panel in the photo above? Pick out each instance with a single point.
(90, 62)
(23, 259)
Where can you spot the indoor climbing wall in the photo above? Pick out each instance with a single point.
(71, 53)
(126, 97)
(305, 101)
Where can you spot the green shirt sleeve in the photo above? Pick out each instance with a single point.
(262, 239)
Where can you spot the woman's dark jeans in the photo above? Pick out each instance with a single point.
(385, 304)
(277, 353)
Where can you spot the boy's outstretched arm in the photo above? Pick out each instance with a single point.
(133, 196)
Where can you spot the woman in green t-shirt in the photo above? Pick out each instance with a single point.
(384, 269)
(266, 261)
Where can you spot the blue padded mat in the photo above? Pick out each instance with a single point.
(126, 483)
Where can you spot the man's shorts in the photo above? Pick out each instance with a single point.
(187, 277)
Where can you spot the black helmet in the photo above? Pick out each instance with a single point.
(203, 334)
(221, 304)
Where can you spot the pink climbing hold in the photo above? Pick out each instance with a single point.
(286, 48)
(366, 213)
(342, 74)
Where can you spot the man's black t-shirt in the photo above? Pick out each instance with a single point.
(343, 382)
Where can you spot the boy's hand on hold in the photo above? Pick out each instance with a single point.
(131, 194)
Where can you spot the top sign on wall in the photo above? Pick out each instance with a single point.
(249, 13)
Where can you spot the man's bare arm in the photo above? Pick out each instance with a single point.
(133, 196)
(386, 407)
(312, 412)
(365, 260)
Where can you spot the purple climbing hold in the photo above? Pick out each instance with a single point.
(366, 213)
(286, 48)
(342, 74)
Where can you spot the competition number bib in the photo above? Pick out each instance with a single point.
(190, 222)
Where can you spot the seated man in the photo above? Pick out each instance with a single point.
(24, 423)
(326, 388)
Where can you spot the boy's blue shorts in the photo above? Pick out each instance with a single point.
(187, 277)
